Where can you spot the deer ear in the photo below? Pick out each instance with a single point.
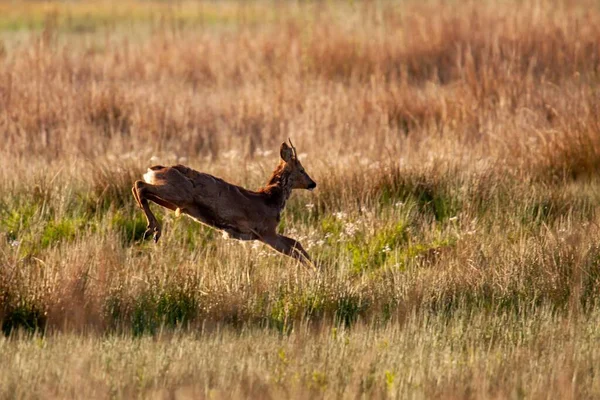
(285, 152)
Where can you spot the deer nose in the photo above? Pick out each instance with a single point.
(312, 185)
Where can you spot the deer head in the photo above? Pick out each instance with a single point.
(298, 177)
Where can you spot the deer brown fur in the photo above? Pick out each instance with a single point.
(241, 213)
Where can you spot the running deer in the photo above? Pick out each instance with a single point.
(240, 213)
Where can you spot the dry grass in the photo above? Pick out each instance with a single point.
(455, 147)
(431, 357)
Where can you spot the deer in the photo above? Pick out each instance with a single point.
(239, 213)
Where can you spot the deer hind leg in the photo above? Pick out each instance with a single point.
(143, 192)
(289, 247)
(136, 197)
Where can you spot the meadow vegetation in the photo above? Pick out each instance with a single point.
(456, 148)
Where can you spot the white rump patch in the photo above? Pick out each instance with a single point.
(149, 176)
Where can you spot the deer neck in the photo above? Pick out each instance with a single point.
(279, 187)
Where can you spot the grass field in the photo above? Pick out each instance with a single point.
(456, 147)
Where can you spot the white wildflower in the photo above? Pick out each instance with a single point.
(386, 249)
(350, 229)
(310, 206)
(15, 243)
(340, 215)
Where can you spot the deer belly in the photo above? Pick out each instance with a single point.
(203, 214)
(209, 217)
(232, 233)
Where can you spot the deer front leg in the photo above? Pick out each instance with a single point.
(289, 247)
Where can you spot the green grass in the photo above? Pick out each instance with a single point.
(83, 18)
(395, 241)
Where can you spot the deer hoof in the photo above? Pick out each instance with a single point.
(147, 232)
(156, 235)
